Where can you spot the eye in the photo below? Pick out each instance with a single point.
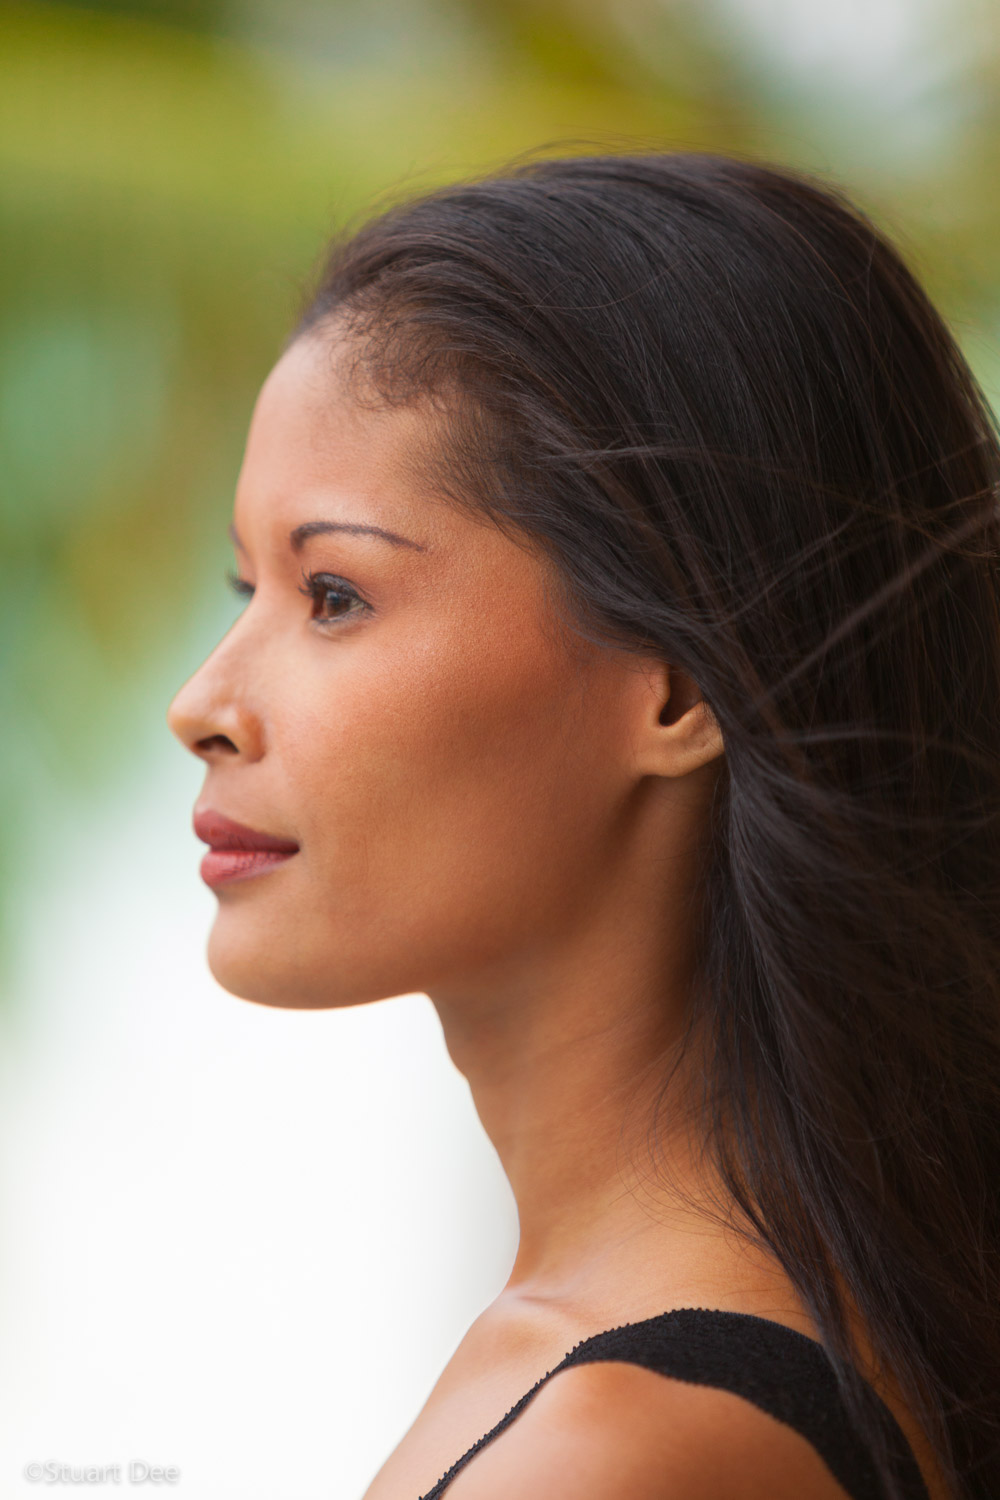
(240, 585)
(333, 598)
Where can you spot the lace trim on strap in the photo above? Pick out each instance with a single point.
(779, 1370)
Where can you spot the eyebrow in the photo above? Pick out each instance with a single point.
(300, 534)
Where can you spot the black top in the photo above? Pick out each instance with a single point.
(784, 1373)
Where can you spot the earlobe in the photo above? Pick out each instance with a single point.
(704, 738)
(686, 733)
(683, 744)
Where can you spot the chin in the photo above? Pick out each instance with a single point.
(254, 970)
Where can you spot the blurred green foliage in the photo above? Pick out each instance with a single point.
(169, 171)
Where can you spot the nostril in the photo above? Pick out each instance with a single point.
(216, 743)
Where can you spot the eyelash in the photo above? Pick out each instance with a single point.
(239, 585)
(315, 586)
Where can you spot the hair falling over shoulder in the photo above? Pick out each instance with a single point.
(717, 396)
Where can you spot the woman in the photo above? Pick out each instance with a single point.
(623, 671)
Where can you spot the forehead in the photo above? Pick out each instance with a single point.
(313, 442)
(317, 452)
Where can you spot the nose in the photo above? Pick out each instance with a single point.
(211, 716)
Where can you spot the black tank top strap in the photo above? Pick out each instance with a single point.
(779, 1370)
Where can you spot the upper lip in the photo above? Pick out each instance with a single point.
(224, 833)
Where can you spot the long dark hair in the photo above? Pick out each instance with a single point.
(722, 402)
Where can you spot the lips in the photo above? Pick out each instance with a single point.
(237, 852)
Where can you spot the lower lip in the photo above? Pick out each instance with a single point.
(224, 866)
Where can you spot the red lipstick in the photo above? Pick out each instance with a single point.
(235, 851)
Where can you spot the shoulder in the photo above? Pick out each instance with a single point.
(611, 1431)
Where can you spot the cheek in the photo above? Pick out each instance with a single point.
(452, 797)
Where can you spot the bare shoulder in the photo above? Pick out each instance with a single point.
(614, 1431)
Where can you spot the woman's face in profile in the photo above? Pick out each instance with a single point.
(453, 764)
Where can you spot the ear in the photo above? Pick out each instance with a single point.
(677, 732)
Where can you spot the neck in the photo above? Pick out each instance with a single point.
(566, 1066)
(568, 1040)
